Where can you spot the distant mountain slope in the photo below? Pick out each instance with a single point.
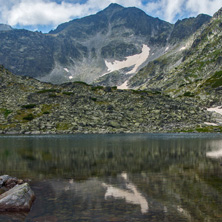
(94, 47)
(183, 29)
(110, 35)
(26, 53)
(179, 40)
(198, 73)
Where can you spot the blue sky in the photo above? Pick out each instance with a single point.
(44, 15)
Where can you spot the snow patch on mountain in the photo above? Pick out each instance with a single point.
(167, 48)
(182, 48)
(124, 85)
(210, 124)
(215, 109)
(135, 60)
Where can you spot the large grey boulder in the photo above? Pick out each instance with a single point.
(19, 198)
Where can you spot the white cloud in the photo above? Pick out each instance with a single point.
(165, 9)
(50, 12)
(169, 10)
(203, 6)
(45, 12)
(41, 13)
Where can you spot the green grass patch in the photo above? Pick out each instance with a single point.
(81, 83)
(29, 106)
(214, 81)
(93, 99)
(102, 102)
(145, 92)
(67, 93)
(5, 112)
(63, 126)
(209, 129)
(217, 78)
(214, 181)
(188, 94)
(95, 88)
(24, 115)
(3, 126)
(46, 108)
(52, 95)
(7, 126)
(48, 91)
(29, 117)
(202, 129)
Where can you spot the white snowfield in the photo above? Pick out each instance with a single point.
(66, 69)
(210, 124)
(215, 109)
(124, 85)
(135, 60)
(218, 110)
(183, 48)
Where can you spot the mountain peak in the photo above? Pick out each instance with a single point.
(218, 14)
(111, 9)
(114, 6)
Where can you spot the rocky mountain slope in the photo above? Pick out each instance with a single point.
(4, 27)
(28, 106)
(107, 48)
(195, 71)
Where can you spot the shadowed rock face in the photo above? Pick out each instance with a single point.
(77, 50)
(19, 198)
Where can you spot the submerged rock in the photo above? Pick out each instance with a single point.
(19, 198)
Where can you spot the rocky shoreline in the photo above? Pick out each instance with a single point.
(28, 106)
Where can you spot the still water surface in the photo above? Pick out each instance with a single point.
(145, 177)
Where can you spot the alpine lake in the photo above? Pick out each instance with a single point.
(122, 177)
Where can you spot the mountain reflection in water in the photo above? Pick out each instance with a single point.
(132, 195)
(138, 177)
(217, 150)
